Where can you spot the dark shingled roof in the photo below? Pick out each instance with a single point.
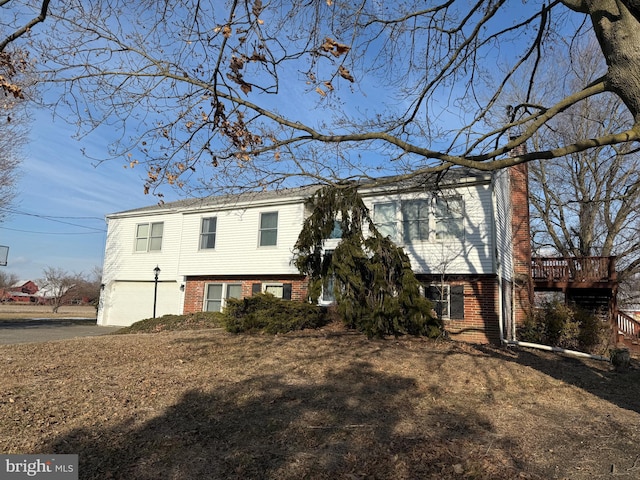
(453, 176)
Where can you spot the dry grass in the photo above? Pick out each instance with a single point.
(319, 405)
(17, 311)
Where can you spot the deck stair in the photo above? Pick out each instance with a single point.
(628, 331)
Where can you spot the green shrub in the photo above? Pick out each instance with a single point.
(560, 325)
(595, 334)
(268, 314)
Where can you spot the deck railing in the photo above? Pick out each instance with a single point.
(573, 269)
(628, 325)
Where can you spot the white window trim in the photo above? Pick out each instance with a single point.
(446, 315)
(321, 299)
(393, 237)
(448, 237)
(214, 233)
(264, 287)
(260, 229)
(429, 216)
(148, 237)
(224, 292)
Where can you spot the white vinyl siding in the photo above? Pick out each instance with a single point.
(465, 225)
(237, 250)
(503, 229)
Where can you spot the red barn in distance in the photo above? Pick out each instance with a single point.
(23, 292)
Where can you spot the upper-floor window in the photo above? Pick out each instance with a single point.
(149, 237)
(268, 229)
(449, 214)
(208, 233)
(337, 230)
(384, 216)
(415, 220)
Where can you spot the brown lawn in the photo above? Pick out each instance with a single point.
(321, 405)
(17, 311)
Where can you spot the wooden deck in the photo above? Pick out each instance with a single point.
(557, 273)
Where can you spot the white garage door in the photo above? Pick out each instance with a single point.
(127, 302)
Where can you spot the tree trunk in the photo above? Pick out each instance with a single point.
(617, 27)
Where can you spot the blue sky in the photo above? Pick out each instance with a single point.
(58, 218)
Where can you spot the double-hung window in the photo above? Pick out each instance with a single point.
(149, 237)
(384, 216)
(328, 283)
(447, 300)
(208, 233)
(415, 220)
(217, 295)
(439, 297)
(449, 214)
(268, 229)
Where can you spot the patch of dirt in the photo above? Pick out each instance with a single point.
(325, 404)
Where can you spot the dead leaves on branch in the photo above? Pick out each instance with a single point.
(344, 73)
(237, 64)
(10, 66)
(335, 48)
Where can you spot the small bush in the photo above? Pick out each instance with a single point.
(595, 334)
(559, 325)
(190, 321)
(268, 314)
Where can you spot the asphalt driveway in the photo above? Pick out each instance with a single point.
(48, 329)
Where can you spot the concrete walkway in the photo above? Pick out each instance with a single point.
(47, 329)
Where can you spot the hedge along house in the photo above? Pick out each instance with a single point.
(466, 233)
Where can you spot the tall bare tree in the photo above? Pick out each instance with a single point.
(14, 130)
(251, 93)
(588, 203)
(16, 84)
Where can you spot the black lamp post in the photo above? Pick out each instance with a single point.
(156, 271)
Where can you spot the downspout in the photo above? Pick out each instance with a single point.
(497, 265)
(517, 343)
(548, 348)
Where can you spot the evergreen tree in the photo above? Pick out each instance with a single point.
(375, 289)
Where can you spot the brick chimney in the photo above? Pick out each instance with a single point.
(521, 231)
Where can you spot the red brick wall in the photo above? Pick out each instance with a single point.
(523, 291)
(195, 288)
(481, 307)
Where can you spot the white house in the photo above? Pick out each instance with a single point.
(464, 233)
